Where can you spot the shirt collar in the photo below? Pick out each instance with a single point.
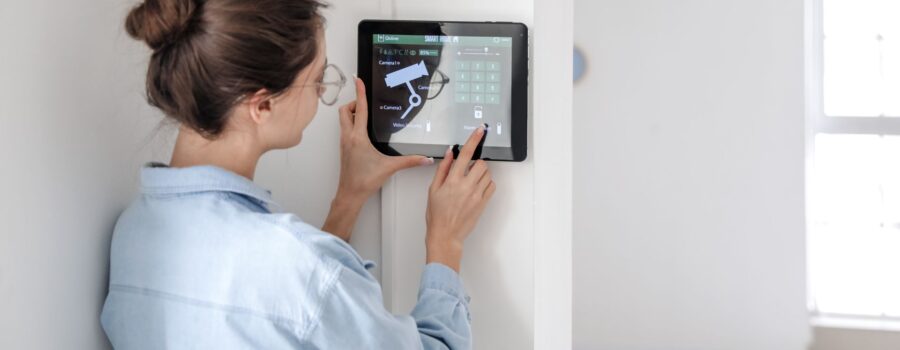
(158, 178)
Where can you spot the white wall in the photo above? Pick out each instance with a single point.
(73, 129)
(689, 229)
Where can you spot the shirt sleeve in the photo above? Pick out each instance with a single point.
(442, 310)
(353, 315)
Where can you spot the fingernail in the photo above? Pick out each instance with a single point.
(427, 161)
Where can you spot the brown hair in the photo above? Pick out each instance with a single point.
(208, 54)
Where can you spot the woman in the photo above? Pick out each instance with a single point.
(203, 259)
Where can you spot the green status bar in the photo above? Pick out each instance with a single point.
(402, 39)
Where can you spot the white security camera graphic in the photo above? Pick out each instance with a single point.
(405, 76)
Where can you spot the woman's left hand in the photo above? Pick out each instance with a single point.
(363, 168)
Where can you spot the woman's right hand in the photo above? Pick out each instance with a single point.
(456, 199)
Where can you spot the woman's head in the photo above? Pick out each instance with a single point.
(230, 64)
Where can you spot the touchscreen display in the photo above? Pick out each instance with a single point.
(436, 89)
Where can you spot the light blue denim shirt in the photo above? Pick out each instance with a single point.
(203, 260)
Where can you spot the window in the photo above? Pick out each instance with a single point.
(854, 178)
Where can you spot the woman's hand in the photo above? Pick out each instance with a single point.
(456, 199)
(363, 168)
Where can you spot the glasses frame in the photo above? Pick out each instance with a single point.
(327, 84)
(339, 84)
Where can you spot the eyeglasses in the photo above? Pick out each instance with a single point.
(329, 87)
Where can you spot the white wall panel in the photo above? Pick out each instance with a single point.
(689, 230)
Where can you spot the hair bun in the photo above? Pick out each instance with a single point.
(160, 22)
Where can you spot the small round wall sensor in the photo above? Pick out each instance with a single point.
(579, 65)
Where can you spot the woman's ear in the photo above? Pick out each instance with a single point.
(260, 106)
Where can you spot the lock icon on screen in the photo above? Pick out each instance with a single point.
(478, 112)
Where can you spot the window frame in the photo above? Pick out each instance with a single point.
(820, 123)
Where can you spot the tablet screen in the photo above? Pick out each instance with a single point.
(436, 89)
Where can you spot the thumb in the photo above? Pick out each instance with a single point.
(405, 162)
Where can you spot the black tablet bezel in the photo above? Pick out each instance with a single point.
(519, 85)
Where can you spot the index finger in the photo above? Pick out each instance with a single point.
(361, 121)
(465, 154)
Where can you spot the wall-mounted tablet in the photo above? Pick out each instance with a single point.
(430, 84)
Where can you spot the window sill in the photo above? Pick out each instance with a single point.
(875, 323)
